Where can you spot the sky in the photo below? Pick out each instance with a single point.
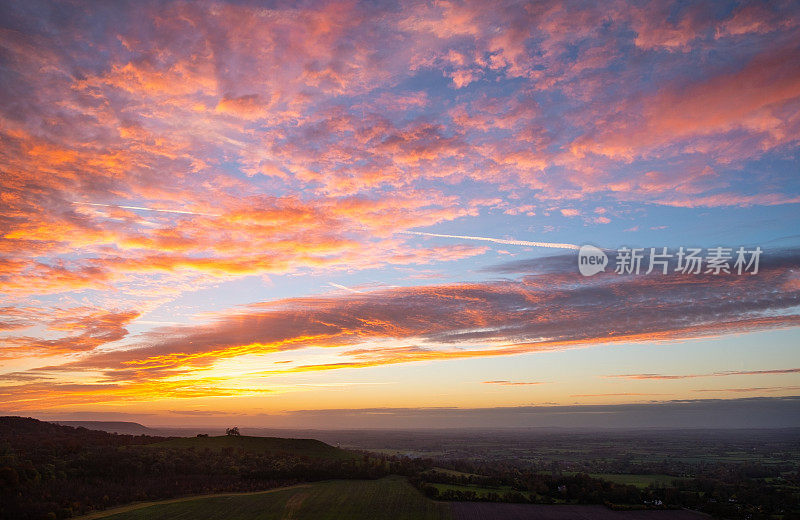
(339, 209)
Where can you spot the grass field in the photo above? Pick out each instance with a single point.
(390, 498)
(302, 447)
(480, 491)
(384, 499)
(452, 472)
(641, 481)
(491, 511)
(114, 511)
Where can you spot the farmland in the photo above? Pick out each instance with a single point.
(49, 471)
(640, 481)
(491, 511)
(386, 498)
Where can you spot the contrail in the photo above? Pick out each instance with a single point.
(497, 240)
(339, 286)
(147, 209)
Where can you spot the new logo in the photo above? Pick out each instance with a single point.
(591, 260)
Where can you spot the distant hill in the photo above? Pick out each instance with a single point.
(22, 431)
(127, 428)
(271, 445)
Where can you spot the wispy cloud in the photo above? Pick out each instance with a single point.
(141, 208)
(754, 389)
(620, 394)
(776, 371)
(344, 288)
(504, 382)
(211, 143)
(456, 321)
(526, 243)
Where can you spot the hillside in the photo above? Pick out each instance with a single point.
(267, 445)
(50, 471)
(390, 498)
(55, 471)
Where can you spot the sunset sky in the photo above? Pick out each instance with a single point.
(214, 209)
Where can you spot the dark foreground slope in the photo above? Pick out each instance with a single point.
(389, 498)
(50, 471)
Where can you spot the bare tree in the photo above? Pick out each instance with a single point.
(232, 431)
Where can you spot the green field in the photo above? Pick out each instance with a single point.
(387, 498)
(641, 481)
(451, 472)
(479, 491)
(275, 445)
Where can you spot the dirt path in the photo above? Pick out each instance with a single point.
(138, 505)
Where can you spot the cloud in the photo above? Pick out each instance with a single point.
(344, 288)
(776, 371)
(749, 99)
(750, 412)
(58, 394)
(689, 413)
(751, 390)
(618, 394)
(504, 382)
(498, 240)
(537, 312)
(321, 100)
(91, 328)
(139, 208)
(210, 143)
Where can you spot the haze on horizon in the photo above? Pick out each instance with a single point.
(340, 212)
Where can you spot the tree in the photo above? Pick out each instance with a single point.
(232, 431)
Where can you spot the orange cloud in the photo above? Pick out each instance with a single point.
(751, 99)
(459, 321)
(91, 328)
(294, 139)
